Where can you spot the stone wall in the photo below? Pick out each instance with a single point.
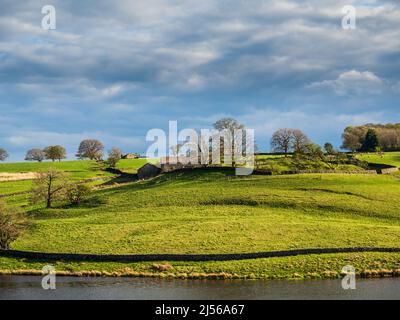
(388, 170)
(333, 171)
(183, 257)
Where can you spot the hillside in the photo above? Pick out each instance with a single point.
(389, 158)
(77, 170)
(214, 211)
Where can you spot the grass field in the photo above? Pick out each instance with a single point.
(278, 164)
(213, 211)
(78, 170)
(390, 158)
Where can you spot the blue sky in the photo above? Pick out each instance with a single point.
(112, 70)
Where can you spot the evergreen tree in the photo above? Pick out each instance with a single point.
(371, 141)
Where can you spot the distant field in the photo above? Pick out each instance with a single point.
(389, 158)
(131, 165)
(279, 164)
(78, 170)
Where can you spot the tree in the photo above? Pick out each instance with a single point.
(388, 136)
(35, 155)
(353, 138)
(371, 141)
(114, 155)
(282, 140)
(55, 153)
(329, 149)
(299, 141)
(389, 139)
(90, 149)
(314, 151)
(176, 149)
(49, 186)
(76, 193)
(3, 154)
(231, 130)
(12, 222)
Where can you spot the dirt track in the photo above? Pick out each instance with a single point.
(5, 176)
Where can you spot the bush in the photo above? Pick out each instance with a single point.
(77, 193)
(12, 223)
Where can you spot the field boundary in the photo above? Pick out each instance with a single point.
(184, 257)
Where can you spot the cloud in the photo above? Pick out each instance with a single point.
(353, 82)
(120, 68)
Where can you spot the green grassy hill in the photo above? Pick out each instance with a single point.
(78, 170)
(204, 212)
(214, 211)
(389, 158)
(278, 164)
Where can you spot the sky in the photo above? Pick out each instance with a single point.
(112, 70)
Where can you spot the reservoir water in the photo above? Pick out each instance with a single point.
(71, 288)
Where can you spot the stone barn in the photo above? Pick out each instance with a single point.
(131, 156)
(149, 170)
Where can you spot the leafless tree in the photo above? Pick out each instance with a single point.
(176, 149)
(299, 141)
(114, 155)
(282, 140)
(90, 149)
(231, 132)
(49, 186)
(35, 155)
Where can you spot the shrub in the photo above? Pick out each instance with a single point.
(12, 223)
(77, 193)
(162, 267)
(114, 155)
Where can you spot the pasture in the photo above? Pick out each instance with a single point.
(214, 211)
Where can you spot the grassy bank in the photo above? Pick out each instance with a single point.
(300, 267)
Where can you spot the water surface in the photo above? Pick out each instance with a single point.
(70, 288)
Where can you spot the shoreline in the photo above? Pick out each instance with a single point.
(366, 274)
(324, 266)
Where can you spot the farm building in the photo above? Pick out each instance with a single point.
(169, 164)
(131, 156)
(149, 170)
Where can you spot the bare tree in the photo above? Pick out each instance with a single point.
(114, 155)
(35, 155)
(299, 141)
(176, 149)
(3, 154)
(90, 149)
(49, 186)
(12, 222)
(55, 153)
(282, 140)
(231, 131)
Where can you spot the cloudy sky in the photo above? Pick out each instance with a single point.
(112, 70)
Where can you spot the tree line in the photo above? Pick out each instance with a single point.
(372, 137)
(364, 138)
(91, 149)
